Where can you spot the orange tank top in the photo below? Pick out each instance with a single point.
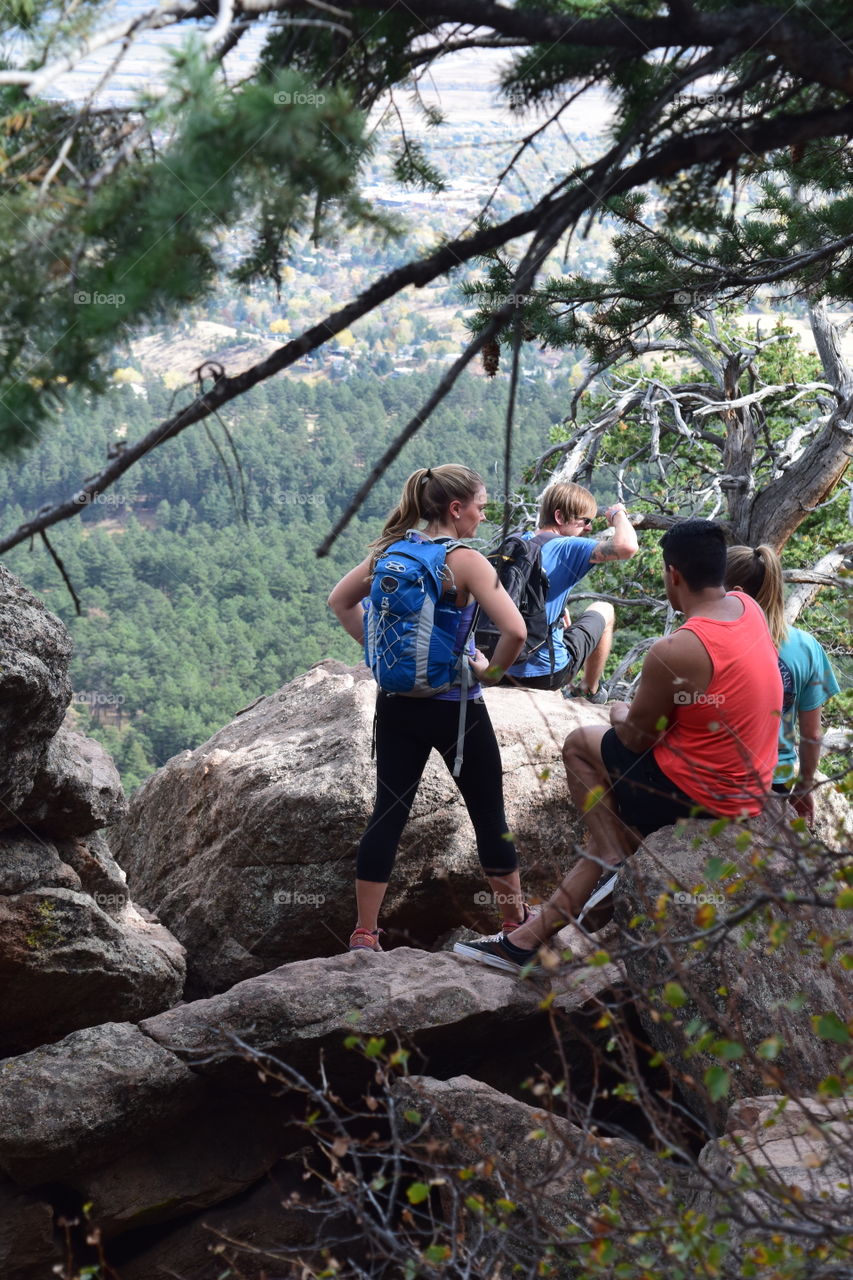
(721, 746)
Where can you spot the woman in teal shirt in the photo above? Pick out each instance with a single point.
(808, 680)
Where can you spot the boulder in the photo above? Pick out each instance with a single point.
(245, 847)
(68, 962)
(453, 1010)
(77, 789)
(99, 874)
(738, 970)
(210, 1154)
(28, 1250)
(34, 689)
(782, 1160)
(251, 1233)
(82, 1102)
(566, 1182)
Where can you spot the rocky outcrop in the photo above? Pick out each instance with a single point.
(783, 1160)
(561, 1173)
(738, 966)
(34, 689)
(83, 1101)
(77, 789)
(73, 949)
(245, 847)
(254, 1232)
(28, 1250)
(452, 1008)
(151, 1124)
(72, 955)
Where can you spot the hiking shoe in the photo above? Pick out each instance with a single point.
(364, 940)
(602, 891)
(495, 953)
(575, 691)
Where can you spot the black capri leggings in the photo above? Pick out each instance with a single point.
(406, 731)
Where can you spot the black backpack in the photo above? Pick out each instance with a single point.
(518, 564)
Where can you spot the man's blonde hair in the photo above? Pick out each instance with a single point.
(572, 500)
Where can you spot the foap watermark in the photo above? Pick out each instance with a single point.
(682, 698)
(494, 300)
(111, 901)
(299, 99)
(287, 898)
(699, 99)
(83, 499)
(297, 498)
(485, 899)
(690, 298)
(97, 698)
(699, 899)
(83, 298)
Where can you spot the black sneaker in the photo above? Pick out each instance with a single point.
(602, 891)
(497, 954)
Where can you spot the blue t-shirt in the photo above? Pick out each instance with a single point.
(808, 681)
(565, 561)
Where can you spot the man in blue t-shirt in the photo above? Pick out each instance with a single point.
(565, 512)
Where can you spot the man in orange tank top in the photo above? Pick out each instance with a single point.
(700, 737)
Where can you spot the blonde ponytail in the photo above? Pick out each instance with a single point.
(426, 496)
(759, 574)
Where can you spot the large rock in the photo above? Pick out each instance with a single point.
(245, 847)
(452, 1009)
(210, 1154)
(28, 1250)
(34, 689)
(739, 971)
(252, 1233)
(782, 1158)
(71, 958)
(77, 789)
(81, 1102)
(566, 1183)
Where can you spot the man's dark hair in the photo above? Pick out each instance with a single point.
(697, 549)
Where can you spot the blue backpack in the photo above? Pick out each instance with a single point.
(410, 624)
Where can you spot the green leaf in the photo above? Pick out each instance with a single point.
(374, 1046)
(417, 1193)
(675, 995)
(730, 1050)
(770, 1048)
(413, 1117)
(437, 1253)
(845, 899)
(717, 1081)
(830, 1027)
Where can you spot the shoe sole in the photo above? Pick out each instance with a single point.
(495, 962)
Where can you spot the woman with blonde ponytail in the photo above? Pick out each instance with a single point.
(808, 680)
(438, 504)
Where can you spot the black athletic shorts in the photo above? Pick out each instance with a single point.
(645, 797)
(580, 639)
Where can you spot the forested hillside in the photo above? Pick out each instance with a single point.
(189, 612)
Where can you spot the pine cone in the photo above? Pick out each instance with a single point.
(491, 357)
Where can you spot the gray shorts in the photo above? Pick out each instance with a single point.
(580, 639)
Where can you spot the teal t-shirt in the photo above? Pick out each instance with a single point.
(808, 681)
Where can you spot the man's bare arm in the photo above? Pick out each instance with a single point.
(623, 544)
(676, 668)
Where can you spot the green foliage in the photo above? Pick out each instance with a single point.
(148, 242)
